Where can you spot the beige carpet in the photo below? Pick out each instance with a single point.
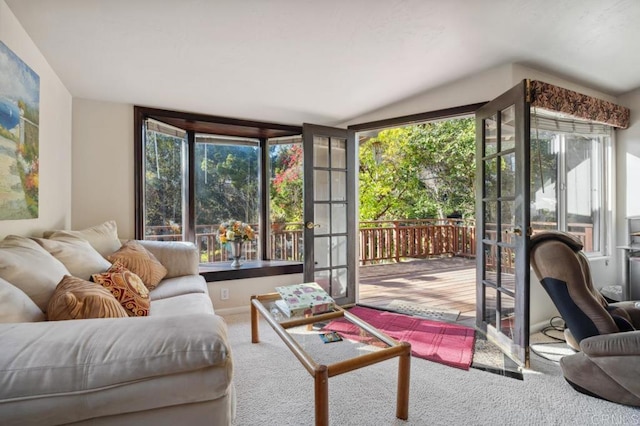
(274, 389)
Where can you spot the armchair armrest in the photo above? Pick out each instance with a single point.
(614, 344)
(179, 257)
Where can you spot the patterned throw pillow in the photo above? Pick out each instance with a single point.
(76, 298)
(127, 288)
(133, 256)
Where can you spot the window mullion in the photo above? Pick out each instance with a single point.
(562, 183)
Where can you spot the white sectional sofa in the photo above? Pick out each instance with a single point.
(171, 367)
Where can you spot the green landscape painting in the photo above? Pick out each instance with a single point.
(19, 134)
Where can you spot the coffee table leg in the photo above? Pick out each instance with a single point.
(404, 373)
(321, 379)
(255, 337)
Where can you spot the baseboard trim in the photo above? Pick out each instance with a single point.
(232, 311)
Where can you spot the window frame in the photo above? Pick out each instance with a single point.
(193, 123)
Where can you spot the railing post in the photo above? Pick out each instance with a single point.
(396, 230)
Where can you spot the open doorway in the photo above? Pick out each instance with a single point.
(417, 219)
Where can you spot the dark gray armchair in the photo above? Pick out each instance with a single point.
(608, 362)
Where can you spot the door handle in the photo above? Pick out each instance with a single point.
(311, 225)
(515, 231)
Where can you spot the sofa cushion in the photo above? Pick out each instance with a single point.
(141, 262)
(127, 288)
(31, 268)
(76, 298)
(16, 306)
(179, 257)
(76, 254)
(108, 366)
(171, 287)
(180, 305)
(103, 237)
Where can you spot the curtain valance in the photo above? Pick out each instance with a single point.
(565, 101)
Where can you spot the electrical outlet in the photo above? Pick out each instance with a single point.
(224, 294)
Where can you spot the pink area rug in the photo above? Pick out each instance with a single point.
(441, 342)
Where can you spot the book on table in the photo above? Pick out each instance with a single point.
(304, 299)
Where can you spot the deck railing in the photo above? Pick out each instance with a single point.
(379, 241)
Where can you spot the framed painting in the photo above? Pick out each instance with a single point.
(19, 137)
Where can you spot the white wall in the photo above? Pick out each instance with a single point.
(54, 138)
(628, 172)
(240, 291)
(103, 162)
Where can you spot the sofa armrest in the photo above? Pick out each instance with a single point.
(79, 356)
(179, 257)
(614, 344)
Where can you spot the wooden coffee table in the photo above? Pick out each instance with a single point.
(302, 339)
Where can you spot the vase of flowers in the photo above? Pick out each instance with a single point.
(232, 235)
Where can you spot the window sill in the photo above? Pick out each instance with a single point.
(252, 269)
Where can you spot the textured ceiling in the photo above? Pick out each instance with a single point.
(295, 61)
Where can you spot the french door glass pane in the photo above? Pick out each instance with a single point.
(321, 185)
(508, 175)
(320, 151)
(338, 153)
(491, 263)
(491, 178)
(490, 301)
(338, 218)
(323, 279)
(491, 135)
(490, 220)
(339, 282)
(322, 218)
(507, 127)
(507, 315)
(338, 251)
(163, 187)
(322, 250)
(338, 186)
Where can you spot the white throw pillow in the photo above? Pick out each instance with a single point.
(15, 305)
(31, 268)
(103, 238)
(76, 254)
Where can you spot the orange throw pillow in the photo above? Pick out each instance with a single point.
(75, 298)
(141, 262)
(127, 288)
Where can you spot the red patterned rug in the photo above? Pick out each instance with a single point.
(441, 342)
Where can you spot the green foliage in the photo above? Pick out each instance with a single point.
(163, 188)
(286, 184)
(226, 182)
(421, 171)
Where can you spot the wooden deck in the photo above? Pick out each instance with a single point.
(444, 283)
